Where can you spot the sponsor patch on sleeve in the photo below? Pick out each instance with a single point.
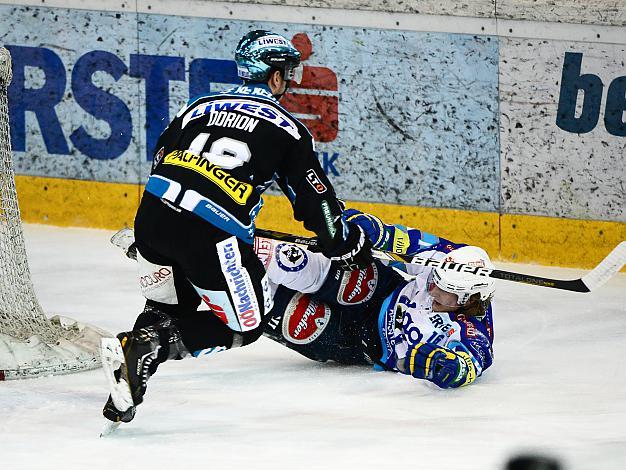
(158, 157)
(264, 249)
(314, 180)
(291, 258)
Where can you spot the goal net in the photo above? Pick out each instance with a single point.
(30, 344)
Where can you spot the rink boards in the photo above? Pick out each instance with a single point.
(516, 144)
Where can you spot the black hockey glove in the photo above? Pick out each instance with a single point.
(354, 252)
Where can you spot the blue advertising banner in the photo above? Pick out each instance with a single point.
(399, 117)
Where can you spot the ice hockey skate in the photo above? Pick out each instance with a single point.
(126, 363)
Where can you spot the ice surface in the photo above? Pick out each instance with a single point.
(558, 387)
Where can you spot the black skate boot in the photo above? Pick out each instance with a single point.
(128, 362)
(113, 414)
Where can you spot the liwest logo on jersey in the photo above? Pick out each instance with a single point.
(239, 284)
(235, 189)
(249, 107)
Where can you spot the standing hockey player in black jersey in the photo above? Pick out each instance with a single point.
(195, 225)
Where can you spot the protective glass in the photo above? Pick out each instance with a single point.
(294, 73)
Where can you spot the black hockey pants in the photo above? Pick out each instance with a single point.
(229, 283)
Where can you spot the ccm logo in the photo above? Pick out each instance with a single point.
(154, 278)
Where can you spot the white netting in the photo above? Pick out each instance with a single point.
(30, 344)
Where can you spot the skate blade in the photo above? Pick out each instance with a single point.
(109, 428)
(112, 359)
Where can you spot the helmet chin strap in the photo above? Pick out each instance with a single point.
(280, 95)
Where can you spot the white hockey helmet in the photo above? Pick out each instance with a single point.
(465, 285)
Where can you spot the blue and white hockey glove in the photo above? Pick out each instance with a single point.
(443, 367)
(373, 227)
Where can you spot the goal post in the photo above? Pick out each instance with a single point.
(30, 344)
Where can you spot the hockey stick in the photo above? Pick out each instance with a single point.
(610, 265)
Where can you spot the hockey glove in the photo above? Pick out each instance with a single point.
(354, 252)
(443, 367)
(373, 227)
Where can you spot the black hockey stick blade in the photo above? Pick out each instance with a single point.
(609, 266)
(285, 237)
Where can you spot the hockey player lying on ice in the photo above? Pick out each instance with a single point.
(434, 324)
(429, 323)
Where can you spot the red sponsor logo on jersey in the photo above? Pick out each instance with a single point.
(216, 309)
(478, 263)
(489, 329)
(159, 156)
(315, 100)
(470, 329)
(304, 319)
(264, 249)
(358, 286)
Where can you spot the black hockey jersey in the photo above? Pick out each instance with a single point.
(223, 150)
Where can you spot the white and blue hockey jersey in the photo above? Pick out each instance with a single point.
(406, 317)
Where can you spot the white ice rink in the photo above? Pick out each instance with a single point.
(557, 386)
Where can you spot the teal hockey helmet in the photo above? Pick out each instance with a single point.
(260, 51)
